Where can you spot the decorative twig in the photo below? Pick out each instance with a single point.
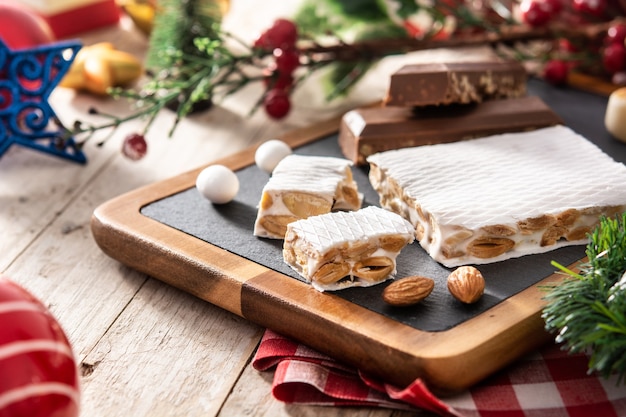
(377, 48)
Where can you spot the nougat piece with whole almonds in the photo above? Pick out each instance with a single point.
(302, 186)
(347, 249)
(502, 196)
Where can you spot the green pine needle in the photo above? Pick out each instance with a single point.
(587, 311)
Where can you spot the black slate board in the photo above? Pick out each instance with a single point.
(230, 227)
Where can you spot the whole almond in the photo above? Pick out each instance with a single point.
(408, 291)
(466, 284)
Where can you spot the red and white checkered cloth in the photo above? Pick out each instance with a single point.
(548, 383)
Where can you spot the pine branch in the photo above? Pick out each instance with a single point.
(177, 24)
(587, 310)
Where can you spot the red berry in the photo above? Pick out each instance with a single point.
(567, 46)
(134, 146)
(553, 6)
(261, 41)
(277, 103)
(592, 7)
(614, 58)
(539, 12)
(555, 72)
(278, 80)
(616, 34)
(287, 60)
(282, 34)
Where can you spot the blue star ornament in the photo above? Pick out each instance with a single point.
(27, 78)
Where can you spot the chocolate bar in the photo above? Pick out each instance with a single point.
(366, 131)
(468, 82)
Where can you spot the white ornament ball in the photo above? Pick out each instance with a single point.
(615, 116)
(218, 184)
(270, 153)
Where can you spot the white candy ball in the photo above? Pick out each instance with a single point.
(615, 116)
(270, 153)
(218, 184)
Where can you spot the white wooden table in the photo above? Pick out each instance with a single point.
(143, 347)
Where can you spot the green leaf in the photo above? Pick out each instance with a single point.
(176, 25)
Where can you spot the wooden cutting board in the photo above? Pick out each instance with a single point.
(171, 233)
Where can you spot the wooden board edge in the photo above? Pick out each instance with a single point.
(591, 84)
(448, 361)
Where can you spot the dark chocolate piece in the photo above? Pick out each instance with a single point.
(469, 82)
(366, 131)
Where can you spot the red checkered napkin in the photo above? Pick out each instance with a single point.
(549, 383)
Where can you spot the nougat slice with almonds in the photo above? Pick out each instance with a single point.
(502, 196)
(347, 249)
(303, 186)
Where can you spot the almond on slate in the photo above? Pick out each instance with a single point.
(408, 291)
(466, 284)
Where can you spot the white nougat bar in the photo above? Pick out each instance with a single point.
(303, 186)
(502, 196)
(347, 249)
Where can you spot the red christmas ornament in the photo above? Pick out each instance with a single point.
(39, 374)
(22, 28)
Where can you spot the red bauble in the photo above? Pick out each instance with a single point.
(39, 374)
(22, 28)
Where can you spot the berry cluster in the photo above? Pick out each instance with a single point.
(279, 40)
(610, 50)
